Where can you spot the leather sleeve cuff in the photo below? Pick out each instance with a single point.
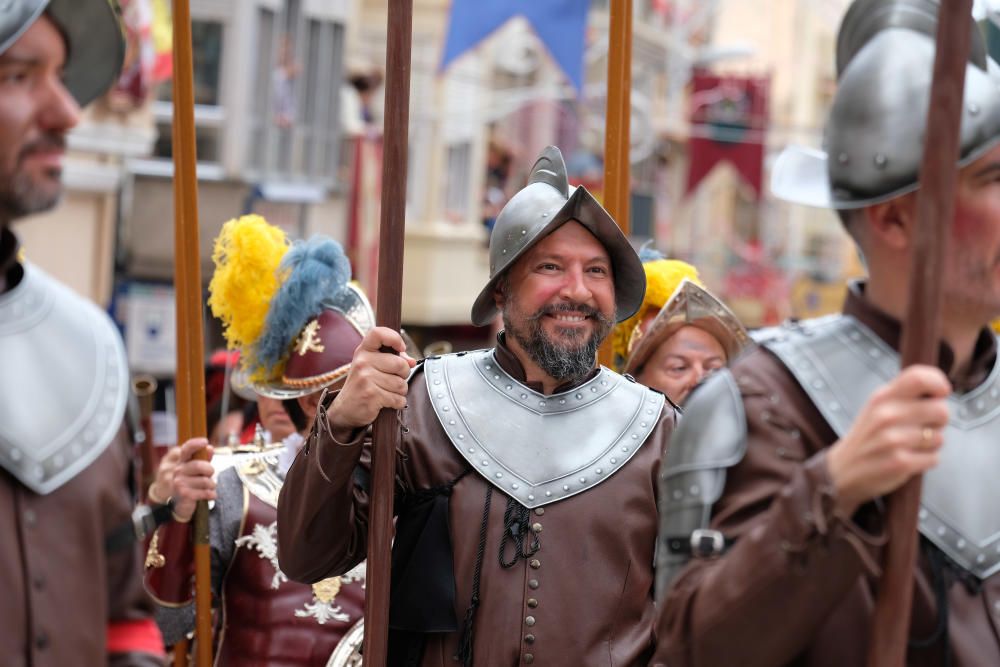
(335, 460)
(811, 518)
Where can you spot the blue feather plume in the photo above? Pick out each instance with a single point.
(649, 253)
(316, 270)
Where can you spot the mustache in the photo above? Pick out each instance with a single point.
(47, 142)
(567, 307)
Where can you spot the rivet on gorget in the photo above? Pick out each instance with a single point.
(678, 494)
(509, 387)
(942, 531)
(835, 407)
(472, 450)
(604, 383)
(635, 436)
(485, 462)
(548, 494)
(593, 389)
(445, 409)
(960, 544)
(461, 436)
(649, 412)
(437, 381)
(531, 496)
(504, 251)
(523, 396)
(599, 471)
(642, 424)
(541, 404)
(974, 109)
(545, 215)
(499, 475)
(496, 377)
(523, 232)
(994, 392)
(881, 161)
(625, 449)
(440, 395)
(922, 514)
(613, 460)
(854, 335)
(694, 490)
(583, 480)
(562, 401)
(980, 405)
(565, 487)
(842, 158)
(451, 421)
(981, 558)
(579, 397)
(516, 486)
(489, 367)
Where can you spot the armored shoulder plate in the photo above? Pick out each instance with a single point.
(63, 384)
(710, 439)
(839, 363)
(534, 447)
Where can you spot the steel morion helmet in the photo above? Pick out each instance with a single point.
(542, 206)
(95, 45)
(875, 132)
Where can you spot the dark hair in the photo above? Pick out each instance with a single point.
(296, 413)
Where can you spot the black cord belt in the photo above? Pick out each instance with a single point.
(144, 520)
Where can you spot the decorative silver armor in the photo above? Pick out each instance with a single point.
(711, 438)
(534, 447)
(95, 42)
(874, 135)
(542, 206)
(839, 363)
(64, 384)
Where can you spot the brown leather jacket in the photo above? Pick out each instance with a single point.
(266, 619)
(798, 585)
(584, 598)
(64, 598)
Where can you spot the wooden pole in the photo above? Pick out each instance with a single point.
(187, 286)
(617, 167)
(390, 285)
(922, 327)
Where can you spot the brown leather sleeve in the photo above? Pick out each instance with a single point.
(794, 558)
(128, 603)
(322, 512)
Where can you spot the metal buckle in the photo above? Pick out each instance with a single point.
(707, 543)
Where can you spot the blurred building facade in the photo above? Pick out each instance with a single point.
(288, 115)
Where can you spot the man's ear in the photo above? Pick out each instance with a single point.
(892, 223)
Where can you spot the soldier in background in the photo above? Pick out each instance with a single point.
(65, 462)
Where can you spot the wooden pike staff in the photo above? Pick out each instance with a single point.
(922, 327)
(617, 124)
(190, 382)
(388, 314)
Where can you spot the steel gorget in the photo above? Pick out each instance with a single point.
(839, 363)
(64, 382)
(537, 448)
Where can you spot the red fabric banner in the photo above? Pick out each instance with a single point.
(729, 119)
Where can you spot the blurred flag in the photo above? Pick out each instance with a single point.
(560, 25)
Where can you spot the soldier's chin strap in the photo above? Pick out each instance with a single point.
(144, 520)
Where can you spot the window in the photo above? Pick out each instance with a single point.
(207, 45)
(458, 181)
(295, 105)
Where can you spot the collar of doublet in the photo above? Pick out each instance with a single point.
(535, 447)
(64, 384)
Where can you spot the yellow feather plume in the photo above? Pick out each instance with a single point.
(247, 255)
(662, 278)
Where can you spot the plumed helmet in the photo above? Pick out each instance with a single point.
(541, 207)
(95, 43)
(874, 135)
(289, 308)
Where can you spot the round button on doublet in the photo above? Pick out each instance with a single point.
(532, 602)
(533, 584)
(535, 563)
(536, 527)
(529, 621)
(540, 511)
(529, 639)
(528, 658)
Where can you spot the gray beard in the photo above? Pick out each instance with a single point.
(18, 197)
(560, 362)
